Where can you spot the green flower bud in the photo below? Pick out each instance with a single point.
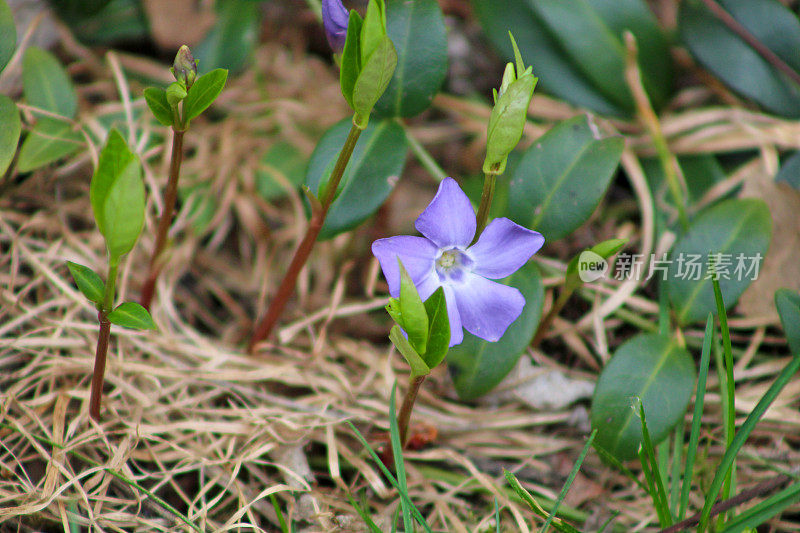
(507, 121)
(184, 68)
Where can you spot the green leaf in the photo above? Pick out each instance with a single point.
(763, 511)
(476, 365)
(418, 366)
(740, 230)
(438, 329)
(231, 41)
(577, 48)
(375, 166)
(50, 140)
(46, 83)
(87, 280)
(713, 45)
(131, 315)
(419, 35)
(412, 312)
(654, 369)
(282, 166)
(8, 34)
(375, 75)
(117, 196)
(119, 20)
(157, 102)
(10, 128)
(203, 93)
(788, 304)
(558, 75)
(351, 57)
(790, 171)
(562, 177)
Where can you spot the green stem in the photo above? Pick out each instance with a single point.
(88, 460)
(170, 199)
(404, 416)
(319, 212)
(422, 155)
(487, 194)
(102, 341)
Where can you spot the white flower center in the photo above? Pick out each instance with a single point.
(451, 264)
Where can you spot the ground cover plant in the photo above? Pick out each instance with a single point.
(399, 265)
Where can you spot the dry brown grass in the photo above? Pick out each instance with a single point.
(215, 433)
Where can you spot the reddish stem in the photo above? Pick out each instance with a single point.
(170, 199)
(99, 366)
(404, 416)
(286, 288)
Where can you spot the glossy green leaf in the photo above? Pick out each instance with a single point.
(714, 46)
(788, 304)
(8, 34)
(375, 75)
(790, 171)
(351, 57)
(562, 177)
(119, 20)
(412, 314)
(375, 166)
(88, 282)
(654, 369)
(577, 47)
(419, 35)
(282, 166)
(418, 366)
(558, 76)
(50, 140)
(740, 230)
(157, 102)
(476, 365)
(438, 329)
(117, 196)
(131, 315)
(10, 127)
(203, 93)
(231, 41)
(46, 83)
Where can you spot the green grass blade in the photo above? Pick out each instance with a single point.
(647, 456)
(675, 470)
(694, 435)
(496, 516)
(413, 508)
(526, 497)
(760, 513)
(133, 484)
(730, 388)
(568, 483)
(364, 515)
(744, 432)
(399, 465)
(281, 519)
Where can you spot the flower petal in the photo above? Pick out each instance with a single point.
(449, 220)
(503, 247)
(487, 308)
(456, 333)
(335, 18)
(417, 255)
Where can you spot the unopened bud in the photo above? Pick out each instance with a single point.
(335, 18)
(184, 68)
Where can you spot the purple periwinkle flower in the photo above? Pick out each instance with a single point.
(444, 258)
(335, 18)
